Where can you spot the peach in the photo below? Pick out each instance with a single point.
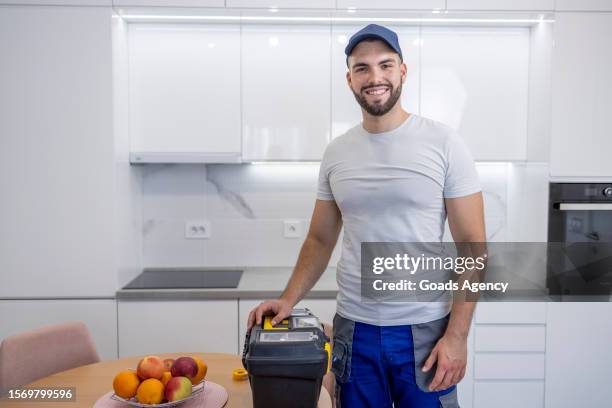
(150, 367)
(178, 388)
(168, 364)
(185, 367)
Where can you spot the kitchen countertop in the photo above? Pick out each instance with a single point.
(256, 283)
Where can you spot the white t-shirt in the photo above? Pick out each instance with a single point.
(390, 187)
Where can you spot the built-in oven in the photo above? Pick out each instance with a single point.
(579, 255)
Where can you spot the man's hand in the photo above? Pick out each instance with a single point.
(451, 354)
(280, 308)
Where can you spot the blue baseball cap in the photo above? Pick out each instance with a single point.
(377, 32)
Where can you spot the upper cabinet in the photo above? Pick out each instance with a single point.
(346, 112)
(285, 92)
(170, 3)
(581, 89)
(392, 4)
(531, 5)
(185, 90)
(302, 4)
(583, 5)
(476, 80)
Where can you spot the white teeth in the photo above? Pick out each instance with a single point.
(376, 91)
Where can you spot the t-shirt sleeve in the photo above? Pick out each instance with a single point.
(461, 175)
(324, 191)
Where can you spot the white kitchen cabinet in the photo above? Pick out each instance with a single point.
(283, 4)
(324, 309)
(509, 394)
(100, 316)
(170, 3)
(155, 327)
(475, 80)
(346, 111)
(58, 2)
(57, 160)
(285, 92)
(392, 4)
(583, 5)
(510, 313)
(185, 89)
(581, 89)
(578, 365)
(530, 5)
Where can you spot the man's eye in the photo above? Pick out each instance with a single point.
(360, 70)
(385, 66)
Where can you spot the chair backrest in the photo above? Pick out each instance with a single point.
(34, 354)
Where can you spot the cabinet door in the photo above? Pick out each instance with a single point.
(346, 112)
(393, 4)
(170, 3)
(583, 5)
(285, 92)
(184, 88)
(500, 4)
(581, 89)
(100, 316)
(578, 369)
(57, 157)
(475, 80)
(324, 309)
(283, 4)
(151, 327)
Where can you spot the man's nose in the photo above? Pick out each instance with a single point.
(376, 77)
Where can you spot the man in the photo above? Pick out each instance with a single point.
(393, 178)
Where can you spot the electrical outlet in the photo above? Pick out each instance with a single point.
(197, 229)
(292, 228)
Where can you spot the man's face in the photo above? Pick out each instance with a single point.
(375, 76)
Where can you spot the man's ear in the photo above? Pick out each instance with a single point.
(403, 71)
(348, 78)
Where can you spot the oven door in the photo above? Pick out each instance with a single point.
(580, 249)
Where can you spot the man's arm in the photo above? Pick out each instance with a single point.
(466, 223)
(314, 256)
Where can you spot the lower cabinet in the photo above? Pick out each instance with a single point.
(100, 316)
(152, 327)
(578, 362)
(509, 355)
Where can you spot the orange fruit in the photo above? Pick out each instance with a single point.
(166, 376)
(125, 384)
(202, 368)
(150, 391)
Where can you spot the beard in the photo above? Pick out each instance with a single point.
(379, 109)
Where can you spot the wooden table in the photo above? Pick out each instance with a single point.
(94, 380)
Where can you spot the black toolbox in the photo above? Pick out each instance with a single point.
(286, 363)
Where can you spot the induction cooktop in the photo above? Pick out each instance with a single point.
(186, 279)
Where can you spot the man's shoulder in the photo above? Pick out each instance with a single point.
(426, 124)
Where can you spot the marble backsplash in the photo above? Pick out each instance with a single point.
(247, 204)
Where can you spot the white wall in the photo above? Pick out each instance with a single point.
(246, 206)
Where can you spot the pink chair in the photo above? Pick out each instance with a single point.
(34, 354)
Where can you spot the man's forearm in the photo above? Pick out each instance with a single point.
(312, 261)
(460, 320)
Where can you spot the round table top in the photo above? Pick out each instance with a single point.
(94, 380)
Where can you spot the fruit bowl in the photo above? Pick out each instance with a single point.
(195, 391)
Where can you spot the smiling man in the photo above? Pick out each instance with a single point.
(395, 177)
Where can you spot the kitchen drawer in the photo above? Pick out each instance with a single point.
(510, 338)
(509, 394)
(511, 312)
(507, 366)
